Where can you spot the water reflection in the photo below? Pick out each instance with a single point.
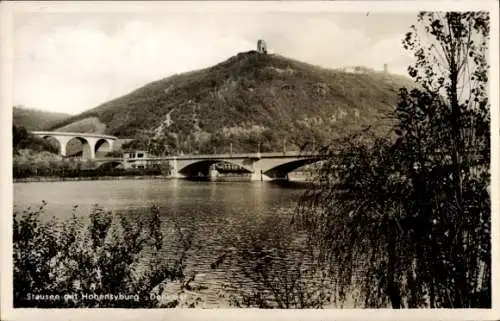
(245, 223)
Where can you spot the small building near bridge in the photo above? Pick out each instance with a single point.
(135, 159)
(141, 160)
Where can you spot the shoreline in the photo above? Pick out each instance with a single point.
(96, 178)
(47, 179)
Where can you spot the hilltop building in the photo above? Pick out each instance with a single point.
(261, 46)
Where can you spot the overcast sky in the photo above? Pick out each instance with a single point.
(70, 62)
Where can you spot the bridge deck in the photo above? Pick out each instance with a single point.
(74, 134)
(293, 154)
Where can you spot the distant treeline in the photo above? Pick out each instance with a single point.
(61, 172)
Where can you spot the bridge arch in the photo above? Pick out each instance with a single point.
(103, 145)
(110, 165)
(203, 166)
(283, 169)
(86, 149)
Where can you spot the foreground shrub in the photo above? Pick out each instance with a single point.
(113, 260)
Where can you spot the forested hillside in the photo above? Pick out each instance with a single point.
(247, 101)
(34, 119)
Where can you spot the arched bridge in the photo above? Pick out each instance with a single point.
(91, 142)
(261, 166)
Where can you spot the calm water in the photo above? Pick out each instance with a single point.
(223, 216)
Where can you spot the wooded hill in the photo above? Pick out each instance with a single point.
(34, 119)
(250, 98)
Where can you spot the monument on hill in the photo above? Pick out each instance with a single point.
(261, 46)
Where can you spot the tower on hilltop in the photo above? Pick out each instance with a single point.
(261, 46)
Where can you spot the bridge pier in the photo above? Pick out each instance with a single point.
(63, 143)
(257, 175)
(175, 168)
(89, 148)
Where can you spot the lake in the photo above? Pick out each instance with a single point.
(244, 217)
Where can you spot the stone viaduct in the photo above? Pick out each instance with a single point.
(91, 142)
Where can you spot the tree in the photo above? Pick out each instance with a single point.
(406, 221)
(19, 133)
(22, 139)
(445, 129)
(452, 69)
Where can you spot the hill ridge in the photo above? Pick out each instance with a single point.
(35, 119)
(246, 99)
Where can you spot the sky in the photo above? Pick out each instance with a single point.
(70, 62)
